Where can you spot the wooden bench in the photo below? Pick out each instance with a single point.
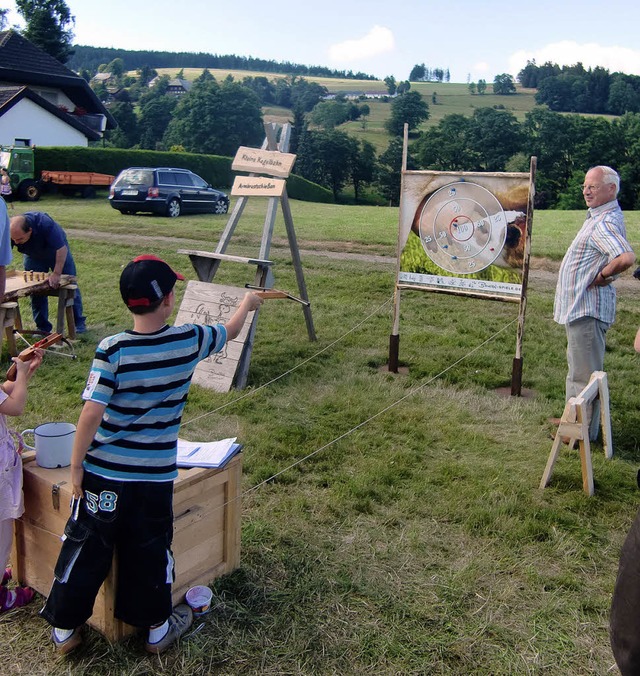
(10, 320)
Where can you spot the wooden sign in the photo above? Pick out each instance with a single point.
(270, 162)
(205, 303)
(257, 186)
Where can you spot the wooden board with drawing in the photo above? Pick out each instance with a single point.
(206, 303)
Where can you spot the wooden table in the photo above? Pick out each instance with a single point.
(21, 284)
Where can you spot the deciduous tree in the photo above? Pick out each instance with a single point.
(504, 84)
(363, 165)
(216, 119)
(390, 83)
(389, 171)
(410, 108)
(126, 135)
(496, 136)
(447, 146)
(417, 73)
(155, 116)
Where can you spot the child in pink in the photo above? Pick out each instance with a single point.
(13, 397)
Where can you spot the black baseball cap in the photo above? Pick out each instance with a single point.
(146, 280)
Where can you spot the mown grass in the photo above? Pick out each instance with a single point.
(392, 524)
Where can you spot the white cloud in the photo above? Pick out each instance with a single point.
(591, 54)
(378, 40)
(480, 67)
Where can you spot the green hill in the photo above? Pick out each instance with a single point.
(450, 98)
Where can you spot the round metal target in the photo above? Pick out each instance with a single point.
(462, 228)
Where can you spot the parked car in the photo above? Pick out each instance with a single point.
(165, 191)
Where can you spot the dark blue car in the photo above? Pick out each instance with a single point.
(165, 191)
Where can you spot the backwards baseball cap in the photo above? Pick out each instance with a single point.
(146, 280)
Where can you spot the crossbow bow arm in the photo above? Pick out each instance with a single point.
(27, 355)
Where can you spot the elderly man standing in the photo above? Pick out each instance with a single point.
(44, 245)
(585, 300)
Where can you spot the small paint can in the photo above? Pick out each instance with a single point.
(199, 599)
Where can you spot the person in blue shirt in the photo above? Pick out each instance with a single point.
(5, 245)
(45, 248)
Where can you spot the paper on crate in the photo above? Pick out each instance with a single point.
(206, 454)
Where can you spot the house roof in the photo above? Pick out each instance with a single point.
(178, 82)
(11, 96)
(22, 63)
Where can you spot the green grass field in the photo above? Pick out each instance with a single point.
(404, 532)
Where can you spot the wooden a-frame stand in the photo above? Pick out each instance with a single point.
(574, 427)
(273, 160)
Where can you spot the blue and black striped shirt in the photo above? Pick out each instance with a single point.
(143, 380)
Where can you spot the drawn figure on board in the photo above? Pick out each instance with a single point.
(227, 303)
(201, 315)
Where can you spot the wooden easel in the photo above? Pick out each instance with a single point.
(574, 425)
(272, 160)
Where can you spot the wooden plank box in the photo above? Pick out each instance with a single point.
(206, 540)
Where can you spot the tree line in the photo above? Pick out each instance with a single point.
(422, 73)
(217, 117)
(579, 90)
(493, 139)
(90, 58)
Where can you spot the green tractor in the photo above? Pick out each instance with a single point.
(19, 163)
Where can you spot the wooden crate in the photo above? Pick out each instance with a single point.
(206, 540)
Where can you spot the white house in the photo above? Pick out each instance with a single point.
(42, 102)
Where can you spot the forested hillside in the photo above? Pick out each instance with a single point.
(86, 58)
(576, 89)
(348, 132)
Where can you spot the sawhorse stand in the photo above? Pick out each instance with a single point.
(574, 426)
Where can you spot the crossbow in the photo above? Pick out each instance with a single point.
(42, 344)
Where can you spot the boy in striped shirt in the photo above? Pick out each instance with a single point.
(124, 462)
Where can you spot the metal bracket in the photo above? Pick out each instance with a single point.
(55, 495)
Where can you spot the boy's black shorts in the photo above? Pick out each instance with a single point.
(134, 518)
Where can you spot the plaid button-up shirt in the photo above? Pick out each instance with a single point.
(601, 239)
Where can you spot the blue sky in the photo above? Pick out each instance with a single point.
(473, 38)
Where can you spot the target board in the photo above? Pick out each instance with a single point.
(462, 228)
(464, 233)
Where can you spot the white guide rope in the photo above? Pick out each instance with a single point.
(359, 425)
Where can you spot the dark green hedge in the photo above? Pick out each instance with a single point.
(213, 168)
